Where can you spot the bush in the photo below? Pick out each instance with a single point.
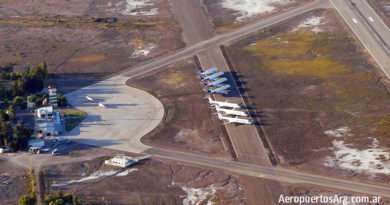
(27, 200)
(18, 101)
(62, 101)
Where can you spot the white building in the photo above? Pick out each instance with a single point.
(121, 161)
(47, 122)
(44, 112)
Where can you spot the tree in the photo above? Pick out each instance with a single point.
(11, 112)
(26, 200)
(18, 101)
(62, 101)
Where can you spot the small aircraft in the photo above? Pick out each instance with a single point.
(238, 120)
(216, 82)
(101, 105)
(220, 90)
(231, 112)
(89, 98)
(215, 103)
(208, 71)
(212, 77)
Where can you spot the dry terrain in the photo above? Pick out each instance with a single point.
(229, 14)
(305, 190)
(151, 182)
(13, 182)
(85, 40)
(382, 7)
(317, 96)
(188, 123)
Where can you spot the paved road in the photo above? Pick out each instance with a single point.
(197, 27)
(245, 139)
(114, 91)
(274, 173)
(369, 28)
(159, 63)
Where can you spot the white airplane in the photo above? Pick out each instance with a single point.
(213, 76)
(224, 104)
(216, 82)
(227, 120)
(89, 98)
(221, 90)
(208, 71)
(101, 105)
(231, 112)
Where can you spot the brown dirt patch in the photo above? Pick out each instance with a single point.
(13, 182)
(225, 19)
(84, 38)
(151, 182)
(188, 124)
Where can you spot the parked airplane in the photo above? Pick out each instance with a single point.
(231, 112)
(227, 120)
(208, 71)
(89, 98)
(216, 82)
(224, 104)
(221, 90)
(101, 105)
(212, 77)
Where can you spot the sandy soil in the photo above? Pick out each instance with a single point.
(382, 7)
(188, 123)
(13, 182)
(93, 39)
(319, 99)
(229, 14)
(151, 182)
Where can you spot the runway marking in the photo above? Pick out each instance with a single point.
(371, 19)
(354, 20)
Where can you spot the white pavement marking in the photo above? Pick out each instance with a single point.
(380, 19)
(129, 115)
(382, 66)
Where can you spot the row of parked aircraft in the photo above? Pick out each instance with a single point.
(226, 111)
(214, 81)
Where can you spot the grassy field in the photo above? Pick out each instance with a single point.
(73, 118)
(300, 53)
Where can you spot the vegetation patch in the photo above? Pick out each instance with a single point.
(73, 118)
(174, 79)
(298, 53)
(30, 197)
(90, 58)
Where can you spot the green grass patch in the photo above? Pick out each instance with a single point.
(299, 53)
(73, 118)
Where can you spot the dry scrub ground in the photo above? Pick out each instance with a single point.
(188, 124)
(150, 182)
(229, 14)
(82, 41)
(318, 98)
(13, 182)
